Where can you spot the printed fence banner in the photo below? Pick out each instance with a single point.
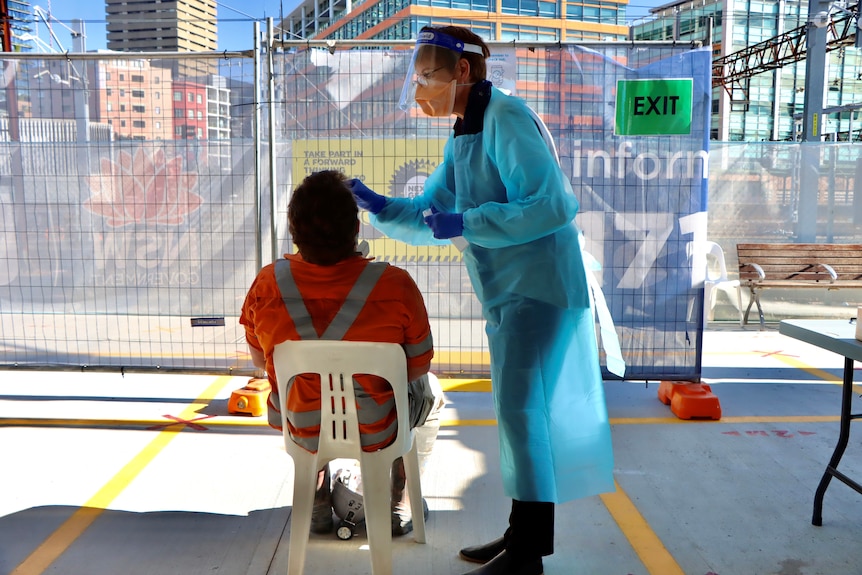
(631, 125)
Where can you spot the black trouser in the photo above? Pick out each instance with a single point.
(531, 529)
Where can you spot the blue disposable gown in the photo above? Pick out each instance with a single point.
(524, 261)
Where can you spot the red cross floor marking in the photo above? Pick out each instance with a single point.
(189, 422)
(771, 353)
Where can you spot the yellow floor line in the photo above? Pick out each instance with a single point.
(225, 423)
(644, 541)
(60, 540)
(816, 372)
(455, 384)
(730, 419)
(161, 424)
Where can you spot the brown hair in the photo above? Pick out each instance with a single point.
(322, 218)
(478, 71)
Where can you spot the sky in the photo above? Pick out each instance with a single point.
(235, 20)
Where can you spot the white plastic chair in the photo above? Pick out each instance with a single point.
(337, 362)
(713, 256)
(712, 283)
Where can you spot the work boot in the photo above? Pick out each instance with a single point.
(402, 516)
(483, 553)
(507, 564)
(321, 513)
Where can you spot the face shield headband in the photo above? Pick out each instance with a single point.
(429, 42)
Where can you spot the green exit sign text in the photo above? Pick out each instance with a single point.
(653, 107)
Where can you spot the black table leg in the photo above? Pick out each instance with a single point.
(843, 437)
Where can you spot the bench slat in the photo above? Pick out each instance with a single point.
(788, 247)
(799, 260)
(802, 284)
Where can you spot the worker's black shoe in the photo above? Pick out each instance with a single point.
(321, 513)
(506, 564)
(402, 519)
(483, 553)
(321, 520)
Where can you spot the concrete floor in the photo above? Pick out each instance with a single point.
(99, 478)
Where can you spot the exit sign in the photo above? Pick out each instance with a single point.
(653, 107)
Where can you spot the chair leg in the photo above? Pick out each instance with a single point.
(376, 494)
(414, 490)
(304, 486)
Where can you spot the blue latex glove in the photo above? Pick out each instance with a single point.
(445, 225)
(365, 197)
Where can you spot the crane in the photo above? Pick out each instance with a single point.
(47, 19)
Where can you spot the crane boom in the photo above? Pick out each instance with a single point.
(732, 71)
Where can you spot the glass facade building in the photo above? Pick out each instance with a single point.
(20, 14)
(761, 108)
(505, 20)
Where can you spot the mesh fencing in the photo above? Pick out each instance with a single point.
(140, 196)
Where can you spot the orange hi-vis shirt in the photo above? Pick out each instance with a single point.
(393, 311)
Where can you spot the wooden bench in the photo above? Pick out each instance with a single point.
(825, 266)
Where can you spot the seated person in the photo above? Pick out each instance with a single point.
(330, 291)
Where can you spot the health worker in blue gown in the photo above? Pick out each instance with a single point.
(500, 189)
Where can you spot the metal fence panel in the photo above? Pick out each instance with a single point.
(642, 197)
(112, 243)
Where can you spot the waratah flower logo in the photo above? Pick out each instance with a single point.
(145, 188)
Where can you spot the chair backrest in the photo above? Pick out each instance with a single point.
(337, 362)
(715, 251)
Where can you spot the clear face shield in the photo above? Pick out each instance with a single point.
(435, 53)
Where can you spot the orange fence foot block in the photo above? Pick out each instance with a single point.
(251, 399)
(689, 400)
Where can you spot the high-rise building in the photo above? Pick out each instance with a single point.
(535, 20)
(166, 25)
(134, 98)
(16, 17)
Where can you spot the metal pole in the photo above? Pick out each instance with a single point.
(776, 80)
(815, 69)
(256, 131)
(270, 42)
(82, 101)
(812, 123)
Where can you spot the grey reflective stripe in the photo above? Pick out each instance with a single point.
(367, 439)
(417, 349)
(273, 418)
(368, 410)
(307, 443)
(293, 300)
(302, 419)
(273, 407)
(355, 301)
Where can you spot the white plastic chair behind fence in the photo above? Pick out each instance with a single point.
(714, 255)
(337, 362)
